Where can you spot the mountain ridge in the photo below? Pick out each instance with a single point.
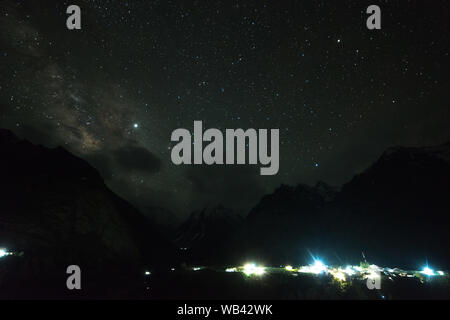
(398, 203)
(57, 211)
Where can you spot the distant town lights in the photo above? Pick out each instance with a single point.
(4, 252)
(427, 271)
(339, 275)
(252, 269)
(373, 275)
(318, 267)
(348, 270)
(372, 272)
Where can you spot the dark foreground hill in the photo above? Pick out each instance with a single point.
(56, 211)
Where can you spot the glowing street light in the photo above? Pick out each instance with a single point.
(260, 271)
(318, 267)
(251, 268)
(3, 253)
(427, 271)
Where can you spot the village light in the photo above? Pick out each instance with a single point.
(358, 268)
(251, 268)
(348, 270)
(304, 269)
(374, 267)
(260, 271)
(427, 271)
(318, 267)
(4, 252)
(339, 275)
(373, 275)
(288, 268)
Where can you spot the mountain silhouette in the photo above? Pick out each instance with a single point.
(207, 232)
(56, 211)
(396, 212)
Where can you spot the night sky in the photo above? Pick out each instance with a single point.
(113, 91)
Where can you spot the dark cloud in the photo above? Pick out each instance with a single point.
(137, 158)
(232, 185)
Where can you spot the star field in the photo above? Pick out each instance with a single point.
(114, 91)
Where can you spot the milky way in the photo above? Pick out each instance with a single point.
(113, 91)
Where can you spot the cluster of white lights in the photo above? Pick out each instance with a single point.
(339, 273)
(349, 271)
(316, 268)
(4, 253)
(252, 269)
(372, 275)
(428, 271)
